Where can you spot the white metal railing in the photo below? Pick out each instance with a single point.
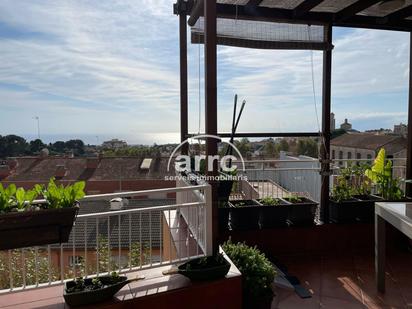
(280, 178)
(124, 240)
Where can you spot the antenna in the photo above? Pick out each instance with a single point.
(38, 126)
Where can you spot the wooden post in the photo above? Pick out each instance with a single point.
(326, 109)
(211, 105)
(183, 81)
(409, 148)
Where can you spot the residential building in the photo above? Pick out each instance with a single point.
(346, 125)
(358, 146)
(114, 144)
(400, 129)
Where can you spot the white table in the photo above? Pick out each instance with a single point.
(400, 216)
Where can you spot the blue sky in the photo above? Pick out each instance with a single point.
(107, 69)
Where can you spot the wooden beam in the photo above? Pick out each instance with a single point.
(183, 81)
(211, 108)
(326, 134)
(354, 8)
(263, 134)
(409, 137)
(400, 14)
(197, 11)
(305, 7)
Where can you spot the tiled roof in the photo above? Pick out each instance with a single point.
(391, 143)
(110, 168)
(140, 227)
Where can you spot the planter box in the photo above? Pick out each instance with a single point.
(345, 211)
(223, 213)
(365, 212)
(36, 228)
(88, 297)
(214, 270)
(302, 213)
(274, 216)
(245, 217)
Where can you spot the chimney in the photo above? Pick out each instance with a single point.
(60, 171)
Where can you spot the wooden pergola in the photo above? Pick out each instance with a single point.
(393, 15)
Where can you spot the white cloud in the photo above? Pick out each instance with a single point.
(112, 66)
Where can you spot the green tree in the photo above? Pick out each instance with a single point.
(308, 147)
(270, 148)
(243, 146)
(36, 146)
(13, 146)
(283, 145)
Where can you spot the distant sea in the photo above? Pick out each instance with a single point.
(137, 139)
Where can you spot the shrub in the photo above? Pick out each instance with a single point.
(257, 271)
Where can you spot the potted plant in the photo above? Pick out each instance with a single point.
(203, 268)
(381, 174)
(301, 210)
(257, 271)
(342, 205)
(88, 291)
(244, 214)
(24, 223)
(273, 213)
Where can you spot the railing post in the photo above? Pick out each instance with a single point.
(208, 220)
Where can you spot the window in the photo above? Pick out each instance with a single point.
(349, 155)
(75, 260)
(358, 156)
(369, 157)
(340, 157)
(333, 154)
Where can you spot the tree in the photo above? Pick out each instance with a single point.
(308, 147)
(59, 147)
(243, 146)
(13, 146)
(75, 145)
(270, 148)
(36, 146)
(283, 145)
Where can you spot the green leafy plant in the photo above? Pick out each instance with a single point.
(257, 271)
(114, 276)
(293, 198)
(381, 174)
(23, 198)
(7, 197)
(58, 196)
(350, 182)
(96, 283)
(270, 201)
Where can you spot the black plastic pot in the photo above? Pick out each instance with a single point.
(223, 213)
(36, 228)
(213, 271)
(366, 210)
(344, 211)
(301, 213)
(273, 216)
(88, 297)
(245, 217)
